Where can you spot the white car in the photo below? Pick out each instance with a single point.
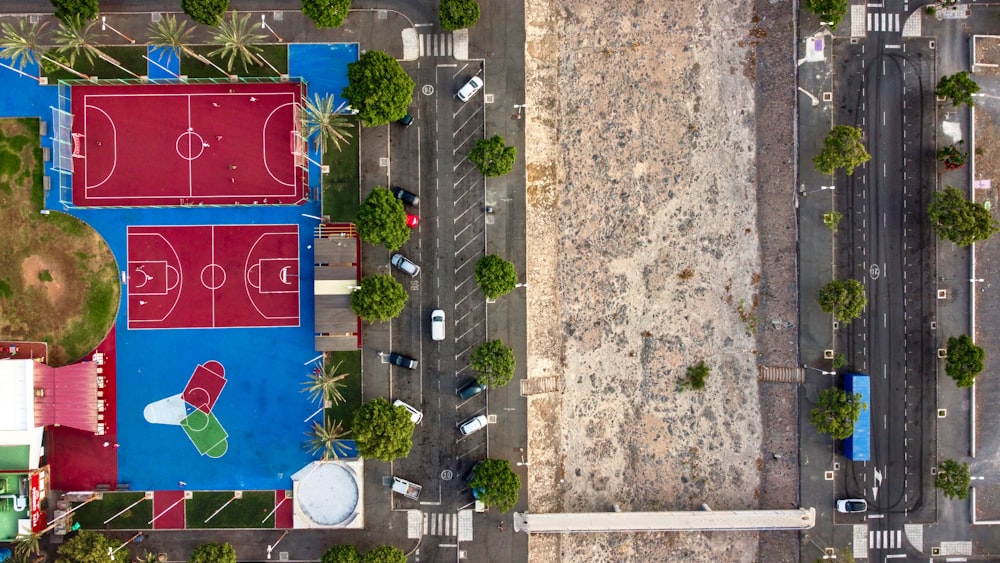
(471, 87)
(437, 324)
(474, 424)
(415, 415)
(852, 505)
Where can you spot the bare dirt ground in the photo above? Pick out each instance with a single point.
(644, 258)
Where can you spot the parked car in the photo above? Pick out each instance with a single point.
(404, 264)
(437, 324)
(467, 478)
(406, 196)
(406, 120)
(415, 415)
(471, 87)
(474, 424)
(470, 390)
(852, 505)
(412, 221)
(402, 361)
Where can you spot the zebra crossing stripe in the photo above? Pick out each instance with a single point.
(892, 539)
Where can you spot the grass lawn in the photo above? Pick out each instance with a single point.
(350, 363)
(246, 512)
(277, 55)
(93, 515)
(341, 187)
(58, 279)
(130, 57)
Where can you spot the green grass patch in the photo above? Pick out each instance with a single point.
(130, 57)
(68, 224)
(342, 186)
(350, 362)
(101, 305)
(45, 276)
(277, 55)
(10, 163)
(241, 513)
(6, 291)
(93, 515)
(17, 142)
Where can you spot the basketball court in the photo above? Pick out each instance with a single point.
(216, 144)
(212, 276)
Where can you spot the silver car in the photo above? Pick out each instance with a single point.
(405, 264)
(474, 424)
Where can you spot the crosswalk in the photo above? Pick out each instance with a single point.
(440, 524)
(436, 44)
(888, 539)
(882, 21)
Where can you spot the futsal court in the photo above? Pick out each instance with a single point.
(212, 276)
(219, 144)
(191, 409)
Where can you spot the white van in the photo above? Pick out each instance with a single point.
(437, 324)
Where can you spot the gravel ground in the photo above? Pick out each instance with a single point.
(644, 257)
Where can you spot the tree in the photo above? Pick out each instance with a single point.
(28, 545)
(959, 220)
(830, 11)
(836, 412)
(384, 554)
(458, 14)
(238, 41)
(325, 383)
(326, 13)
(22, 45)
(496, 484)
(341, 554)
(494, 363)
(492, 157)
(324, 123)
(379, 298)
(208, 12)
(378, 88)
(842, 148)
(952, 156)
(175, 34)
(87, 547)
(965, 360)
(78, 37)
(844, 298)
(495, 276)
(953, 479)
(695, 376)
(382, 219)
(328, 440)
(382, 431)
(959, 87)
(67, 10)
(213, 553)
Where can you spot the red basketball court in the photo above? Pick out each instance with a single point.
(187, 145)
(213, 276)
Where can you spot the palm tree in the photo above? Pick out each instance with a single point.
(325, 383)
(319, 118)
(28, 545)
(238, 42)
(328, 439)
(170, 33)
(22, 45)
(77, 37)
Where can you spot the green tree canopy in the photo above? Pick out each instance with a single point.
(68, 10)
(384, 554)
(842, 148)
(378, 88)
(325, 123)
(844, 298)
(208, 12)
(341, 554)
(959, 220)
(498, 485)
(458, 14)
(965, 360)
(87, 547)
(213, 553)
(493, 157)
(953, 479)
(494, 363)
(379, 298)
(952, 156)
(495, 276)
(959, 87)
(831, 11)
(382, 431)
(382, 219)
(326, 13)
(836, 412)
(238, 41)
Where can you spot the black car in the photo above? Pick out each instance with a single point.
(405, 121)
(402, 361)
(406, 196)
(470, 390)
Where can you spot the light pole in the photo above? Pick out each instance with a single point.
(824, 372)
(522, 462)
(521, 285)
(804, 193)
(112, 552)
(520, 111)
(106, 26)
(275, 544)
(263, 23)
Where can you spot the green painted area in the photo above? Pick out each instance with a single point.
(206, 432)
(13, 458)
(277, 55)
(341, 187)
(350, 363)
(247, 512)
(93, 515)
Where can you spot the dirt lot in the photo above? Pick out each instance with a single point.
(643, 258)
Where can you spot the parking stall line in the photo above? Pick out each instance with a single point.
(466, 245)
(465, 175)
(461, 146)
(473, 195)
(460, 319)
(462, 126)
(462, 214)
(463, 352)
(459, 286)
(467, 227)
(470, 329)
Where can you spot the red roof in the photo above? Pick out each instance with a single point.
(66, 396)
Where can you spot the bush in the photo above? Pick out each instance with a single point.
(208, 12)
(836, 412)
(495, 276)
(458, 14)
(378, 88)
(492, 157)
(493, 363)
(953, 479)
(213, 553)
(341, 554)
(844, 298)
(380, 298)
(382, 220)
(964, 361)
(695, 376)
(326, 13)
(76, 10)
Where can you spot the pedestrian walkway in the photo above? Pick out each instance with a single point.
(440, 524)
(858, 547)
(436, 44)
(885, 539)
(883, 22)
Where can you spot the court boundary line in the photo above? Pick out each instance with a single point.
(180, 274)
(263, 137)
(246, 282)
(86, 157)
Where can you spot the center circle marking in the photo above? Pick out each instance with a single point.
(213, 276)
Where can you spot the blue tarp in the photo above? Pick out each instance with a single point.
(858, 446)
